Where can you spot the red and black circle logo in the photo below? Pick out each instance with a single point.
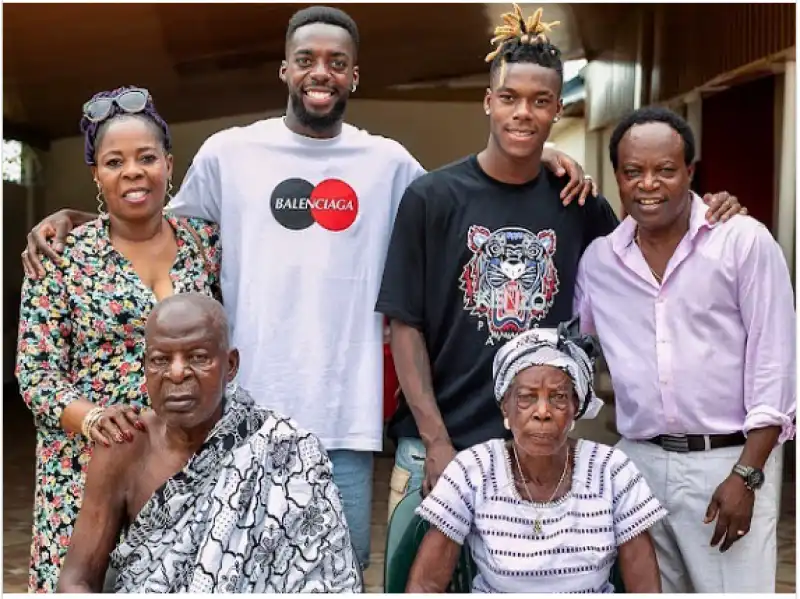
(297, 204)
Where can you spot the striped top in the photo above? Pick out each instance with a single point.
(609, 503)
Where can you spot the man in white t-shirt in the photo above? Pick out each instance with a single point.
(306, 205)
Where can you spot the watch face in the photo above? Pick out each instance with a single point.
(755, 479)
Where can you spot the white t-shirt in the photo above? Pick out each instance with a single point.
(305, 226)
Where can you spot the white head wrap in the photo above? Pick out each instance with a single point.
(550, 347)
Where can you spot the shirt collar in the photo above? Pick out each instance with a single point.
(622, 236)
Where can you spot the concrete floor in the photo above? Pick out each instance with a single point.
(18, 477)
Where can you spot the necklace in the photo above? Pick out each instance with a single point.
(657, 278)
(537, 523)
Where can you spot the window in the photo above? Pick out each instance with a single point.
(12, 161)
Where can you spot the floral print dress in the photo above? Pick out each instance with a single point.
(81, 335)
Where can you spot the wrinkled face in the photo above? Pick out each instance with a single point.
(652, 175)
(132, 168)
(187, 366)
(540, 406)
(522, 105)
(320, 72)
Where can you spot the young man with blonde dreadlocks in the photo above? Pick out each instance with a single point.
(482, 250)
(287, 191)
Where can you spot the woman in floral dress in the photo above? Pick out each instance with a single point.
(81, 335)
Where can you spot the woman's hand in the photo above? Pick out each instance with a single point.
(117, 423)
(637, 560)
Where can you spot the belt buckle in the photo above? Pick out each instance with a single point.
(675, 443)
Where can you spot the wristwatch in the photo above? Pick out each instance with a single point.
(753, 477)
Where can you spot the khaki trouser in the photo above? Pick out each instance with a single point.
(408, 471)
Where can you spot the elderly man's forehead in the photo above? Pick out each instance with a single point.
(185, 318)
(202, 328)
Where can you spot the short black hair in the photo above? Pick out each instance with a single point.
(653, 114)
(540, 52)
(521, 40)
(322, 14)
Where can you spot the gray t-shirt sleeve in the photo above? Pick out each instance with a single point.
(200, 194)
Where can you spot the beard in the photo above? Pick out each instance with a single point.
(317, 122)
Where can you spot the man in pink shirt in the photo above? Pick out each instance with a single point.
(697, 324)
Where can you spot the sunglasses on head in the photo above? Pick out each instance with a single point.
(130, 101)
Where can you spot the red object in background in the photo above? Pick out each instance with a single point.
(390, 382)
(741, 159)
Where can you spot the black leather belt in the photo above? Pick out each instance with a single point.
(687, 443)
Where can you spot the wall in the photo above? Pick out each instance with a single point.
(715, 39)
(435, 133)
(15, 199)
(608, 180)
(569, 136)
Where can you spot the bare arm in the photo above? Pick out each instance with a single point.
(434, 564)
(639, 566)
(56, 226)
(99, 521)
(413, 367)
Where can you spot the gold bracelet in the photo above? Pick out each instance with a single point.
(90, 420)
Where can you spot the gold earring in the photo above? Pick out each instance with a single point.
(100, 203)
(169, 189)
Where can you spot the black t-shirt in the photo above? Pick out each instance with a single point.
(472, 263)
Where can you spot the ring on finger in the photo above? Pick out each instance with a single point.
(741, 533)
(587, 177)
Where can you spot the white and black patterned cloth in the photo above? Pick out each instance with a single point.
(475, 501)
(561, 348)
(254, 511)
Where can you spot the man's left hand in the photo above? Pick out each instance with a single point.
(732, 507)
(722, 206)
(580, 185)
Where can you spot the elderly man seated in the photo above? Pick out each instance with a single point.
(217, 495)
(541, 512)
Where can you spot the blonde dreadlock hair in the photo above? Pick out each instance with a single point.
(521, 40)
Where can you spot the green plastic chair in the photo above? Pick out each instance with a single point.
(403, 538)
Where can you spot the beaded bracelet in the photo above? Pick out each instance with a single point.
(90, 420)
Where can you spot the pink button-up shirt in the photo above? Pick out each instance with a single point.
(712, 350)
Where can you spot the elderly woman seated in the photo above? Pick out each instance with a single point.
(218, 494)
(541, 512)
